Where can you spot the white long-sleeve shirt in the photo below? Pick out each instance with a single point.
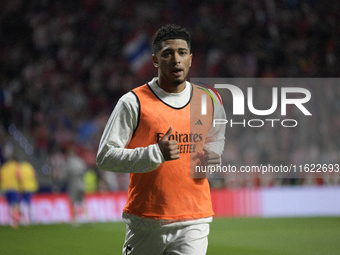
(114, 156)
(112, 153)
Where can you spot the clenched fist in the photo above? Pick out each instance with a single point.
(169, 148)
(211, 158)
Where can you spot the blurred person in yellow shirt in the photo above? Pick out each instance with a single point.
(28, 185)
(9, 182)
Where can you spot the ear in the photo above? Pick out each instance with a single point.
(155, 60)
(190, 59)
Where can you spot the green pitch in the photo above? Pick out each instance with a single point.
(243, 236)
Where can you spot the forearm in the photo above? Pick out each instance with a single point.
(216, 136)
(216, 146)
(138, 160)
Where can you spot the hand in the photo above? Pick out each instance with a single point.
(169, 148)
(211, 158)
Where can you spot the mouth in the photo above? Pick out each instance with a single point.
(177, 71)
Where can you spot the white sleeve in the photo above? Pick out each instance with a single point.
(112, 154)
(216, 135)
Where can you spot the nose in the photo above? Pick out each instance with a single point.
(176, 59)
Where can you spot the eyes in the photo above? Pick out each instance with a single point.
(167, 54)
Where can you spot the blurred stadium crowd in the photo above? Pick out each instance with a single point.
(64, 65)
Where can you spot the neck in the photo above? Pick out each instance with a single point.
(170, 87)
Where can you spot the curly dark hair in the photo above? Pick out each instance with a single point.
(170, 32)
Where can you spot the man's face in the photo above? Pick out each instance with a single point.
(173, 61)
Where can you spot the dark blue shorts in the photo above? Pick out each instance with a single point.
(12, 197)
(26, 197)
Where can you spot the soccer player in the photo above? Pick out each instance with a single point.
(9, 183)
(150, 135)
(75, 169)
(28, 186)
